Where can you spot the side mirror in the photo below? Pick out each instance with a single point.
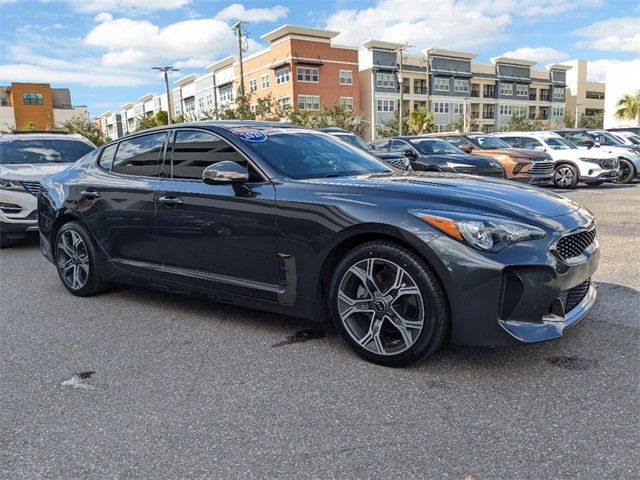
(225, 172)
(466, 148)
(409, 153)
(540, 148)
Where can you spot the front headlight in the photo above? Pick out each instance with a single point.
(483, 232)
(11, 185)
(590, 160)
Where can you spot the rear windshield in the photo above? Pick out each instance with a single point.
(489, 143)
(32, 150)
(300, 154)
(434, 147)
(355, 140)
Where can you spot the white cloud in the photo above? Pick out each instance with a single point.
(597, 69)
(141, 43)
(615, 35)
(542, 55)
(129, 6)
(237, 11)
(103, 17)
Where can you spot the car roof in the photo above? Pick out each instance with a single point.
(333, 130)
(42, 136)
(539, 134)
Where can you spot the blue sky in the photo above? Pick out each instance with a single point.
(103, 50)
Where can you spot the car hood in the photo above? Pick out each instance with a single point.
(31, 172)
(618, 151)
(387, 155)
(520, 153)
(467, 159)
(453, 192)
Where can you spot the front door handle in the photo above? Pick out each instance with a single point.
(90, 194)
(169, 201)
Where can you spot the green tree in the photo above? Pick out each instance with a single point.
(159, 119)
(86, 128)
(27, 127)
(569, 120)
(335, 115)
(471, 124)
(421, 121)
(629, 107)
(391, 127)
(592, 121)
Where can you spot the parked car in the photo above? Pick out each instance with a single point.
(394, 159)
(573, 165)
(300, 223)
(25, 159)
(430, 154)
(629, 161)
(529, 166)
(634, 130)
(628, 138)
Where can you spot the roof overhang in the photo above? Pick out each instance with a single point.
(185, 80)
(147, 97)
(220, 64)
(518, 62)
(558, 66)
(439, 52)
(380, 45)
(287, 29)
(127, 106)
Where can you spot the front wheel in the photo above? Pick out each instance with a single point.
(77, 261)
(565, 176)
(388, 304)
(627, 172)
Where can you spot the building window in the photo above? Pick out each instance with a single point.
(558, 93)
(347, 102)
(557, 111)
(506, 89)
(253, 108)
(441, 128)
(284, 103)
(458, 108)
(440, 84)
(461, 86)
(441, 107)
(209, 100)
(33, 98)
(505, 109)
(307, 74)
(346, 77)
(226, 94)
(385, 105)
(520, 110)
(595, 95)
(156, 103)
(200, 103)
(522, 90)
(253, 85)
(385, 80)
(309, 102)
(282, 76)
(265, 81)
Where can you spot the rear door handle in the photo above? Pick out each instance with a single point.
(90, 194)
(170, 200)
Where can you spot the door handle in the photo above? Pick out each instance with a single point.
(90, 194)
(170, 200)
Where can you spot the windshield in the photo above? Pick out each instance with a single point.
(434, 147)
(635, 139)
(299, 153)
(556, 143)
(489, 143)
(354, 140)
(32, 150)
(605, 138)
(579, 138)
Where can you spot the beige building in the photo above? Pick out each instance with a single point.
(583, 97)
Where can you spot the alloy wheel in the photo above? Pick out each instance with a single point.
(563, 177)
(381, 306)
(73, 259)
(625, 172)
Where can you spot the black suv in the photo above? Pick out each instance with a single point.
(300, 223)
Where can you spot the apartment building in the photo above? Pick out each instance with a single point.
(381, 83)
(110, 124)
(583, 97)
(37, 103)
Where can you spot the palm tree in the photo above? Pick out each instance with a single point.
(629, 107)
(421, 121)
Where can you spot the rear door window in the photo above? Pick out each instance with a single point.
(513, 141)
(531, 143)
(106, 159)
(140, 155)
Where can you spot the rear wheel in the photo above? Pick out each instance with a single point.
(627, 171)
(565, 176)
(388, 304)
(77, 261)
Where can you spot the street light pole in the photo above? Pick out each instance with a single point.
(165, 71)
(237, 28)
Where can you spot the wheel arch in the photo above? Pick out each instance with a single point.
(62, 219)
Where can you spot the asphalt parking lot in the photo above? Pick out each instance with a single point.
(187, 388)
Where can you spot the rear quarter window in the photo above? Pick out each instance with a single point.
(108, 154)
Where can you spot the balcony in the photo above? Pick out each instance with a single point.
(420, 90)
(544, 96)
(488, 115)
(533, 96)
(489, 93)
(475, 93)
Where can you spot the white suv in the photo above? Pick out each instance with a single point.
(25, 159)
(572, 165)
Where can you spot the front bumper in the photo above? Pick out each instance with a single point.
(599, 176)
(511, 297)
(18, 213)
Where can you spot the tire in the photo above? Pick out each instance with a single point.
(565, 176)
(379, 322)
(77, 261)
(627, 171)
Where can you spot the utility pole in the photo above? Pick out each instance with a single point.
(400, 80)
(237, 28)
(166, 86)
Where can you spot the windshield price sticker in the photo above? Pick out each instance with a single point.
(251, 135)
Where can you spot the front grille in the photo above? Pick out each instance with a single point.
(572, 297)
(542, 169)
(574, 245)
(32, 187)
(400, 164)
